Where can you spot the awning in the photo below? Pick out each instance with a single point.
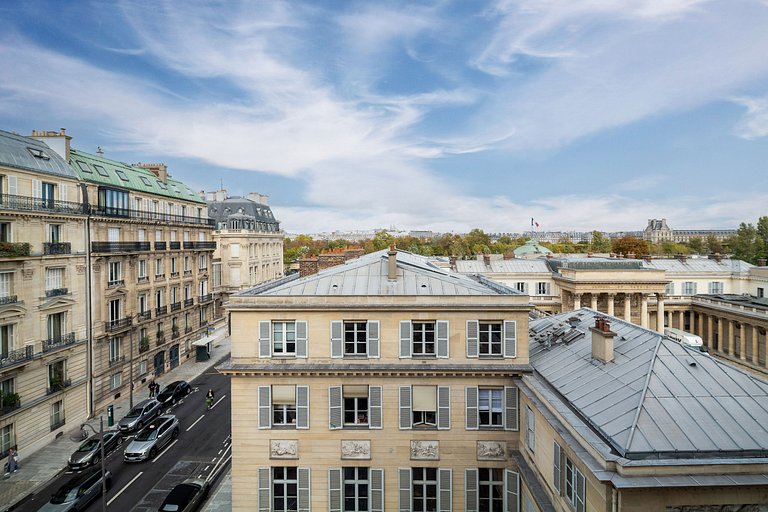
(204, 341)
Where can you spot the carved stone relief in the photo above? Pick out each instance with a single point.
(425, 450)
(355, 449)
(80, 269)
(27, 273)
(283, 449)
(491, 450)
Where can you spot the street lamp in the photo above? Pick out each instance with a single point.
(103, 472)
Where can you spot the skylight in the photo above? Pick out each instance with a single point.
(162, 185)
(101, 170)
(121, 175)
(38, 153)
(84, 167)
(145, 181)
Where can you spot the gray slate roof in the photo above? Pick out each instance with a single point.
(236, 207)
(367, 275)
(15, 152)
(657, 399)
(674, 265)
(503, 266)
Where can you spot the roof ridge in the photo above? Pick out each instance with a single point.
(633, 428)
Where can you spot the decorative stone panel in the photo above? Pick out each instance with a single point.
(425, 450)
(283, 449)
(491, 450)
(356, 450)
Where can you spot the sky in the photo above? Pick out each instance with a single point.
(441, 115)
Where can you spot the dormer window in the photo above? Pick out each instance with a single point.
(145, 181)
(84, 167)
(101, 170)
(38, 153)
(121, 175)
(162, 185)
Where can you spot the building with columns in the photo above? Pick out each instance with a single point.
(657, 231)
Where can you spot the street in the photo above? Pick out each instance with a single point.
(202, 448)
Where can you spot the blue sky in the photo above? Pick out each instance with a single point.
(443, 115)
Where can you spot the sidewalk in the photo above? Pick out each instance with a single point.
(43, 465)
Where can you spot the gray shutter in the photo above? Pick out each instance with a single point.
(301, 338)
(335, 408)
(471, 396)
(304, 495)
(265, 407)
(405, 338)
(510, 338)
(265, 343)
(511, 420)
(373, 338)
(443, 408)
(376, 490)
(302, 406)
(557, 472)
(511, 491)
(404, 489)
(472, 338)
(265, 486)
(406, 416)
(337, 347)
(442, 338)
(374, 407)
(334, 490)
(444, 492)
(471, 503)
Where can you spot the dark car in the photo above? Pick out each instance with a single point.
(152, 439)
(141, 414)
(78, 492)
(174, 391)
(186, 497)
(89, 453)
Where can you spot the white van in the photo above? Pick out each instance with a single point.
(685, 338)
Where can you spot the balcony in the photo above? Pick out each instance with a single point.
(144, 316)
(206, 298)
(188, 329)
(116, 325)
(204, 245)
(16, 356)
(188, 302)
(143, 279)
(55, 344)
(14, 249)
(161, 310)
(50, 248)
(36, 204)
(56, 292)
(116, 282)
(175, 333)
(116, 361)
(160, 246)
(106, 211)
(143, 345)
(187, 273)
(119, 246)
(160, 338)
(58, 385)
(9, 403)
(175, 246)
(203, 323)
(176, 306)
(8, 299)
(159, 277)
(174, 274)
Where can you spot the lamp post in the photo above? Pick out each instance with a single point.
(103, 471)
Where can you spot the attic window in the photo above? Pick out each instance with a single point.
(121, 175)
(162, 185)
(145, 181)
(84, 167)
(38, 153)
(101, 170)
(176, 189)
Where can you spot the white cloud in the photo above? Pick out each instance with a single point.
(754, 123)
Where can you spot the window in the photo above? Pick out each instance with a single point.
(57, 326)
(490, 411)
(574, 486)
(114, 349)
(761, 292)
(115, 381)
(114, 310)
(5, 232)
(202, 262)
(121, 175)
(716, 287)
(201, 236)
(491, 489)
(557, 467)
(115, 272)
(48, 194)
(7, 387)
(173, 236)
(142, 271)
(285, 488)
(101, 170)
(145, 181)
(113, 234)
(159, 298)
(353, 406)
(424, 338)
(174, 294)
(186, 236)
(669, 289)
(689, 288)
(424, 488)
(521, 287)
(542, 288)
(283, 405)
(6, 340)
(491, 408)
(355, 338)
(57, 414)
(54, 279)
(187, 267)
(6, 285)
(158, 267)
(162, 185)
(284, 338)
(84, 167)
(6, 439)
(530, 429)
(54, 233)
(425, 407)
(174, 270)
(56, 376)
(142, 367)
(356, 408)
(491, 338)
(355, 489)
(114, 202)
(38, 153)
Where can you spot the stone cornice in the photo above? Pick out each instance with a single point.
(373, 370)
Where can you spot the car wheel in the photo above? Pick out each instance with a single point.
(152, 452)
(95, 460)
(175, 433)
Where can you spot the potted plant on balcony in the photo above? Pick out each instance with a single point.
(8, 400)
(175, 331)
(144, 344)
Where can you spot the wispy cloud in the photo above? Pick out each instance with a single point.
(754, 123)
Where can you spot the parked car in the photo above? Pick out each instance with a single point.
(78, 492)
(174, 391)
(186, 496)
(141, 414)
(153, 438)
(89, 453)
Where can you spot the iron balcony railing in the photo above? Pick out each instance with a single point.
(188, 302)
(14, 249)
(160, 338)
(160, 246)
(188, 329)
(161, 310)
(16, 356)
(159, 277)
(175, 306)
(9, 299)
(144, 315)
(7, 409)
(143, 279)
(117, 282)
(205, 245)
(57, 386)
(54, 343)
(115, 325)
(57, 248)
(105, 211)
(206, 298)
(55, 292)
(120, 246)
(175, 246)
(115, 361)
(187, 273)
(203, 323)
(174, 274)
(36, 204)
(143, 345)
(174, 333)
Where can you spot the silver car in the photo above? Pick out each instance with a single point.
(78, 492)
(153, 438)
(141, 414)
(89, 453)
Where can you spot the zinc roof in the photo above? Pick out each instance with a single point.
(19, 152)
(503, 266)
(692, 265)
(657, 398)
(121, 175)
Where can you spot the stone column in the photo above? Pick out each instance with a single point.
(710, 332)
(701, 324)
(611, 300)
(643, 310)
(627, 307)
(742, 342)
(681, 320)
(576, 300)
(660, 312)
(594, 301)
(721, 335)
(755, 348)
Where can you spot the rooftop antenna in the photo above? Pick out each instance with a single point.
(221, 183)
(99, 151)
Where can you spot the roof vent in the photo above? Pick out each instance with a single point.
(690, 361)
(99, 151)
(573, 321)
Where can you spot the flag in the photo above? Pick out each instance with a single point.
(534, 223)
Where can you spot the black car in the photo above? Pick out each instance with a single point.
(89, 453)
(173, 392)
(186, 497)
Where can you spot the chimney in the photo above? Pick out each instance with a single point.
(681, 257)
(452, 261)
(159, 170)
(509, 256)
(487, 260)
(589, 254)
(58, 141)
(392, 271)
(761, 262)
(258, 198)
(602, 340)
(631, 255)
(718, 258)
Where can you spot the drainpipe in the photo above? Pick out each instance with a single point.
(88, 301)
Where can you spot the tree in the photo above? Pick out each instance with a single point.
(600, 242)
(382, 240)
(696, 244)
(747, 244)
(630, 245)
(714, 246)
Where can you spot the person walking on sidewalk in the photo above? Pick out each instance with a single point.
(152, 389)
(13, 462)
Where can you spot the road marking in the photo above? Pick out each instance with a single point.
(219, 452)
(166, 449)
(206, 468)
(219, 400)
(124, 488)
(195, 423)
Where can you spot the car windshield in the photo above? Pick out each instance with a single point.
(168, 389)
(89, 445)
(135, 412)
(65, 494)
(147, 434)
(179, 497)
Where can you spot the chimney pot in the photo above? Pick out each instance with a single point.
(392, 263)
(602, 340)
(761, 262)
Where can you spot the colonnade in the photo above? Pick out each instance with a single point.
(641, 298)
(736, 339)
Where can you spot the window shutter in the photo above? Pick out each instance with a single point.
(334, 490)
(13, 186)
(37, 189)
(442, 338)
(525, 287)
(511, 491)
(557, 472)
(265, 342)
(471, 503)
(63, 192)
(304, 495)
(443, 408)
(373, 338)
(374, 405)
(471, 395)
(405, 338)
(265, 407)
(337, 328)
(510, 338)
(445, 493)
(472, 328)
(510, 408)
(376, 490)
(301, 338)
(404, 488)
(265, 499)
(406, 419)
(302, 406)
(335, 403)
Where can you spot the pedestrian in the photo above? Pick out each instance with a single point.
(13, 461)
(152, 389)
(209, 398)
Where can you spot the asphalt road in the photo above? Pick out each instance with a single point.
(203, 447)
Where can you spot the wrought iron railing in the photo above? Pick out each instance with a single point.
(144, 315)
(187, 273)
(143, 345)
(174, 333)
(56, 386)
(160, 338)
(120, 246)
(55, 292)
(143, 279)
(188, 302)
(57, 248)
(115, 361)
(160, 246)
(54, 343)
(175, 246)
(16, 356)
(161, 310)
(188, 329)
(14, 249)
(7, 409)
(174, 274)
(37, 204)
(9, 299)
(203, 323)
(103, 211)
(159, 277)
(114, 325)
(202, 244)
(116, 282)
(175, 306)
(206, 298)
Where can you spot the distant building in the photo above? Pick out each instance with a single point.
(313, 264)
(531, 248)
(657, 231)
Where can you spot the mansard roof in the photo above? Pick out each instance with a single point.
(19, 152)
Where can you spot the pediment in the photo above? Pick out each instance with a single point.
(11, 311)
(57, 302)
(120, 291)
